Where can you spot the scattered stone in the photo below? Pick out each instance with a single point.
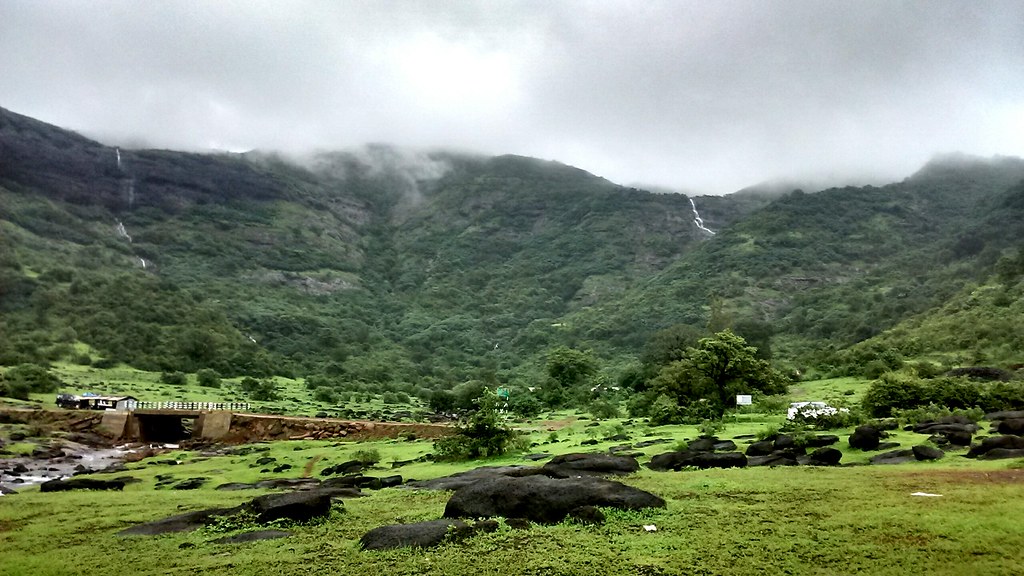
(543, 499)
(825, 456)
(179, 523)
(1004, 415)
(887, 446)
(959, 438)
(462, 479)
(282, 468)
(989, 444)
(686, 458)
(822, 440)
(778, 458)
(587, 515)
(417, 535)
(724, 446)
(702, 444)
(17, 436)
(345, 468)
(894, 457)
(536, 457)
(923, 452)
(568, 465)
(253, 536)
(1001, 453)
(1013, 426)
(190, 484)
(19, 468)
(762, 448)
(265, 460)
(80, 484)
(518, 523)
(617, 438)
(590, 442)
(298, 506)
(865, 438)
(646, 443)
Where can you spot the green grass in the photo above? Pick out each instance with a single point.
(741, 521)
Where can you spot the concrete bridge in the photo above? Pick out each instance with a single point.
(176, 425)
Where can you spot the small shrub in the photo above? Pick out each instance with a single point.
(480, 435)
(325, 395)
(173, 378)
(603, 409)
(664, 410)
(765, 434)
(710, 427)
(208, 378)
(934, 412)
(367, 457)
(83, 360)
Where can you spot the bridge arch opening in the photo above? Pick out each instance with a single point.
(165, 428)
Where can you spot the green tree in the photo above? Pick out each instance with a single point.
(208, 378)
(568, 371)
(714, 371)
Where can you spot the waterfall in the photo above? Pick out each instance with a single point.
(698, 220)
(118, 151)
(122, 232)
(142, 261)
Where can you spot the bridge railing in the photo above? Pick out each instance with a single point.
(137, 405)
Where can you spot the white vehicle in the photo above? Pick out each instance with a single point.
(812, 410)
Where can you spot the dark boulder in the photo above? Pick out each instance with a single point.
(685, 458)
(587, 515)
(988, 444)
(543, 499)
(1004, 415)
(784, 442)
(80, 484)
(180, 523)
(958, 438)
(569, 465)
(822, 440)
(724, 446)
(777, 458)
(887, 446)
(706, 444)
(825, 456)
(518, 523)
(18, 469)
(865, 438)
(417, 535)
(894, 457)
(462, 479)
(536, 457)
(189, 484)
(297, 506)
(253, 536)
(646, 443)
(1001, 453)
(935, 427)
(1013, 426)
(350, 467)
(927, 452)
(762, 448)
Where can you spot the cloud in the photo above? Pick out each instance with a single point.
(710, 96)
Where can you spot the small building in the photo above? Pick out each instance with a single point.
(93, 402)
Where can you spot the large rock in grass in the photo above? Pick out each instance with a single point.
(1014, 426)
(80, 484)
(543, 499)
(417, 535)
(297, 506)
(822, 440)
(894, 457)
(1004, 415)
(762, 448)
(180, 523)
(989, 444)
(463, 479)
(865, 438)
(570, 465)
(923, 452)
(825, 456)
(1001, 453)
(776, 458)
(683, 459)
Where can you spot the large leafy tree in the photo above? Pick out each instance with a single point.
(715, 371)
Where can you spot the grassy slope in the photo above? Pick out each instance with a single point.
(743, 521)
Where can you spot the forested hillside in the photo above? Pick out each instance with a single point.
(390, 269)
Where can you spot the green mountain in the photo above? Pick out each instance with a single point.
(393, 269)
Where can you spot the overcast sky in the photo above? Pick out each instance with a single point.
(707, 96)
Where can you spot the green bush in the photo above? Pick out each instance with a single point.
(367, 457)
(893, 390)
(480, 435)
(174, 378)
(602, 409)
(23, 379)
(934, 412)
(325, 395)
(208, 378)
(664, 410)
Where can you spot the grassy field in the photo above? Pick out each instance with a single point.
(847, 520)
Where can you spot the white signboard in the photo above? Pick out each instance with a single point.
(744, 400)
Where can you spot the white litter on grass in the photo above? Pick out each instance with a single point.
(926, 494)
(650, 528)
